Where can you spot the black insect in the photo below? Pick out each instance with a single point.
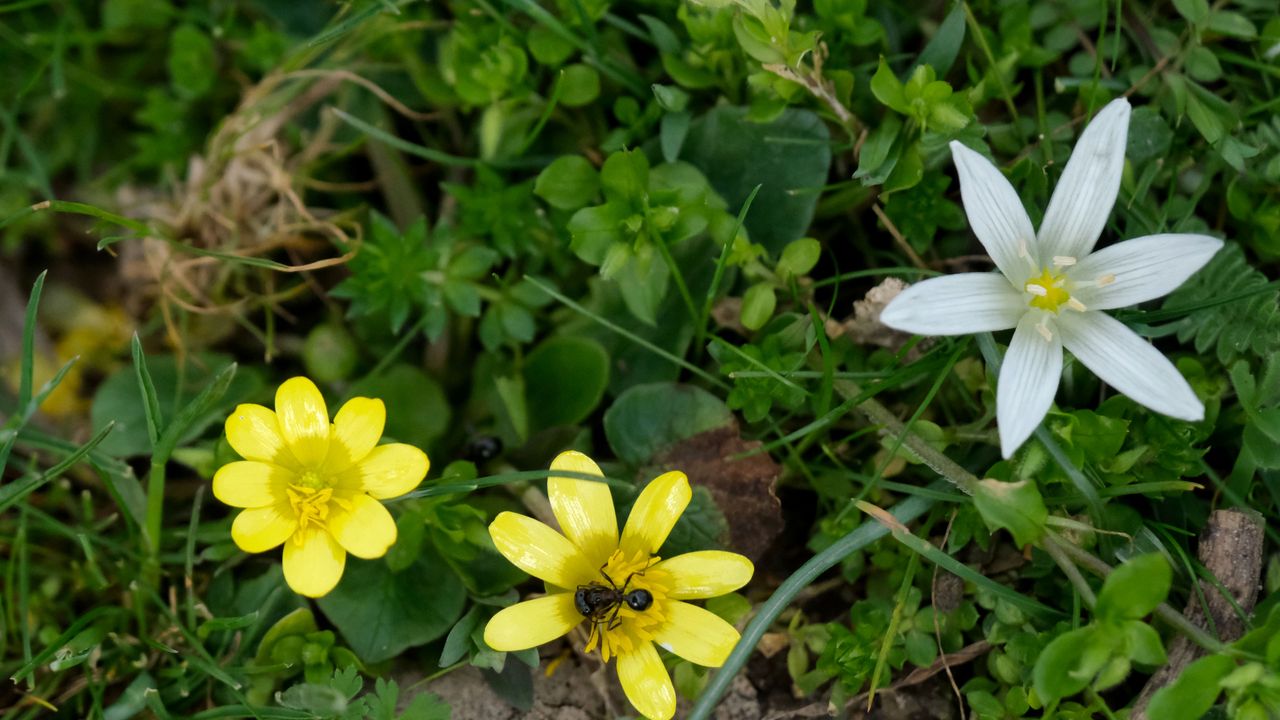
(483, 448)
(601, 603)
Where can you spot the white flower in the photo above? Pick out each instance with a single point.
(1052, 285)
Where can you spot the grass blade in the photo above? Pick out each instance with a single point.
(150, 402)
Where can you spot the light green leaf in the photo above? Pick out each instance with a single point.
(1134, 589)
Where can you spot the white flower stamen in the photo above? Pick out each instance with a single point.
(1105, 280)
(1043, 329)
(1076, 305)
(1036, 290)
(1063, 260)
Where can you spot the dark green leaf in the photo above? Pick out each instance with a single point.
(647, 418)
(789, 158)
(408, 611)
(565, 377)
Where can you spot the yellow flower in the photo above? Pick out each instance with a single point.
(312, 485)
(589, 561)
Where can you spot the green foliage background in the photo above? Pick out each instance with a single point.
(530, 226)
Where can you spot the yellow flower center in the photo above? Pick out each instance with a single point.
(622, 629)
(1048, 290)
(310, 505)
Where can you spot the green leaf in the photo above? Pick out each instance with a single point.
(907, 173)
(643, 283)
(1233, 24)
(1056, 674)
(648, 418)
(625, 176)
(888, 89)
(877, 159)
(1013, 506)
(1135, 588)
(670, 97)
(799, 257)
(417, 410)
(1144, 644)
(579, 85)
(192, 62)
(568, 183)
(672, 134)
(458, 643)
(594, 230)
(757, 306)
(381, 613)
(1195, 691)
(565, 378)
(176, 389)
(789, 159)
(945, 44)
(150, 403)
(1195, 11)
(548, 47)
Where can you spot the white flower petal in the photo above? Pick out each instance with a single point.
(1086, 192)
(996, 214)
(1143, 268)
(956, 305)
(1129, 364)
(1028, 380)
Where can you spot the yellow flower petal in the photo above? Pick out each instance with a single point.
(532, 623)
(254, 433)
(304, 420)
(387, 471)
(313, 562)
(356, 429)
(250, 484)
(540, 551)
(646, 683)
(260, 529)
(655, 513)
(705, 574)
(695, 634)
(584, 508)
(365, 530)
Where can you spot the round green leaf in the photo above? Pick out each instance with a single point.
(417, 410)
(647, 418)
(579, 85)
(381, 613)
(799, 256)
(568, 183)
(757, 306)
(565, 378)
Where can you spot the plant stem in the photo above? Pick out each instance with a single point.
(1052, 545)
(935, 459)
(155, 509)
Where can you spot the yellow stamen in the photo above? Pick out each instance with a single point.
(1048, 290)
(311, 505)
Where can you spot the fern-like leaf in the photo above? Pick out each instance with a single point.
(1247, 326)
